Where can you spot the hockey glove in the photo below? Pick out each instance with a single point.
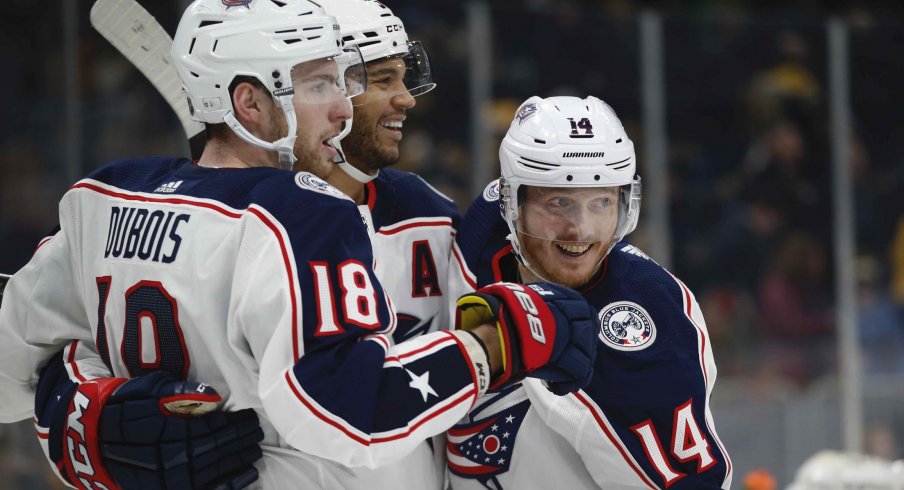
(156, 432)
(546, 331)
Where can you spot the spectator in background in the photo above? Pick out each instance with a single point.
(787, 89)
(880, 322)
(796, 316)
(897, 262)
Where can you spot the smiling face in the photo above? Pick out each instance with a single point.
(565, 233)
(373, 142)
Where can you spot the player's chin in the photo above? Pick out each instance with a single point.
(384, 156)
(573, 277)
(389, 151)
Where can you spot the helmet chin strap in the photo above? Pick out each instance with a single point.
(284, 146)
(343, 163)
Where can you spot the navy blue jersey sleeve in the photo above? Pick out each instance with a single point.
(482, 239)
(332, 382)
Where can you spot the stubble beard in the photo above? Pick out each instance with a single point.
(533, 249)
(311, 160)
(363, 148)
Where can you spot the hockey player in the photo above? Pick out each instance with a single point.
(257, 280)
(568, 196)
(412, 225)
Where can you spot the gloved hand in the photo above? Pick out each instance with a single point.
(156, 432)
(546, 331)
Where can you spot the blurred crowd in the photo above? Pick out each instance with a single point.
(749, 172)
(749, 175)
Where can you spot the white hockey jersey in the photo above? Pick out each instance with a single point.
(258, 282)
(414, 249)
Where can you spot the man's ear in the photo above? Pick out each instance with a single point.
(251, 104)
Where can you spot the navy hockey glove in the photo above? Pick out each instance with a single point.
(153, 432)
(546, 331)
(158, 432)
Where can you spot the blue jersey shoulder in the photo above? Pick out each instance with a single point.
(136, 174)
(632, 274)
(403, 195)
(482, 239)
(280, 192)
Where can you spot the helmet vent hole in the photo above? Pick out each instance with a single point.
(569, 178)
(618, 140)
(278, 3)
(348, 39)
(286, 30)
(192, 46)
(542, 142)
(217, 85)
(215, 43)
(209, 23)
(371, 34)
(596, 177)
(292, 41)
(537, 164)
(367, 43)
(385, 15)
(194, 74)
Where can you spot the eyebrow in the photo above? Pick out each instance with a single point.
(318, 77)
(385, 70)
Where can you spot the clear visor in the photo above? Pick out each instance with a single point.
(407, 72)
(330, 79)
(569, 215)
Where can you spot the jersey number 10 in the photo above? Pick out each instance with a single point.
(147, 303)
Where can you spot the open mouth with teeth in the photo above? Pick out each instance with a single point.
(574, 249)
(392, 125)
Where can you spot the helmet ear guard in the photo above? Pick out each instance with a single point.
(568, 142)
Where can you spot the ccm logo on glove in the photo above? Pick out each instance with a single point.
(81, 462)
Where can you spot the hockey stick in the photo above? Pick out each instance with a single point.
(141, 39)
(3, 279)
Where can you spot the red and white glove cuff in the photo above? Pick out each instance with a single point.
(82, 461)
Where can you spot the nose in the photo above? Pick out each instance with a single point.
(403, 100)
(578, 225)
(341, 110)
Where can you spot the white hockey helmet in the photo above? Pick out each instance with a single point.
(218, 40)
(379, 34)
(568, 142)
